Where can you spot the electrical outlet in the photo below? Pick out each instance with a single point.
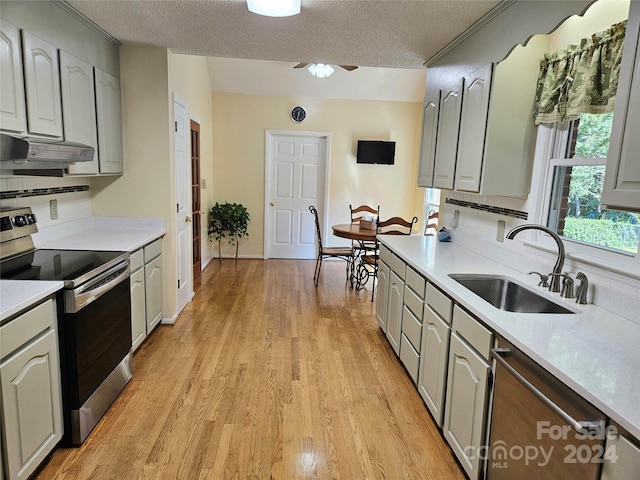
(500, 234)
(53, 209)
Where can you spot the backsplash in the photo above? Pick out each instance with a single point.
(477, 231)
(73, 197)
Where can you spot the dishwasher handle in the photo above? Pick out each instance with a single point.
(587, 428)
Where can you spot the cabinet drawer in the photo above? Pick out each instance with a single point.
(385, 254)
(440, 303)
(136, 260)
(411, 328)
(414, 302)
(398, 265)
(472, 331)
(410, 358)
(22, 329)
(152, 250)
(415, 281)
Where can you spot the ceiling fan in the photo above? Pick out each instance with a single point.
(348, 68)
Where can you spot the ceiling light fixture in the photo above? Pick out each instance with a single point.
(274, 8)
(320, 70)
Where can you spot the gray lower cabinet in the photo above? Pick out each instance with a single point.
(383, 294)
(621, 459)
(146, 291)
(434, 353)
(30, 400)
(394, 311)
(466, 405)
(138, 302)
(153, 283)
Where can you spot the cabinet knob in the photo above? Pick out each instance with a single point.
(187, 219)
(272, 204)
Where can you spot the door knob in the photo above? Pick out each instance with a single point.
(187, 219)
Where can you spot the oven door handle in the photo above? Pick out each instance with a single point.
(87, 293)
(583, 427)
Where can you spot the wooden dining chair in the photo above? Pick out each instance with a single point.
(357, 214)
(368, 266)
(345, 253)
(431, 228)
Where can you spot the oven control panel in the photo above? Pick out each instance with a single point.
(16, 223)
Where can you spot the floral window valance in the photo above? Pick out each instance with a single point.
(580, 79)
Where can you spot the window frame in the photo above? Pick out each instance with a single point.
(555, 141)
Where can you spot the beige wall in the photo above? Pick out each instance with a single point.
(239, 125)
(145, 189)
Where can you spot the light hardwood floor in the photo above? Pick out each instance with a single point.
(265, 376)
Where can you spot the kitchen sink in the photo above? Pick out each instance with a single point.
(506, 294)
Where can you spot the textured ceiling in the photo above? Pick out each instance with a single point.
(375, 33)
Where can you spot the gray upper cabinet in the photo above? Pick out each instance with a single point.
(622, 177)
(473, 127)
(13, 116)
(78, 104)
(486, 134)
(429, 135)
(109, 122)
(447, 137)
(42, 79)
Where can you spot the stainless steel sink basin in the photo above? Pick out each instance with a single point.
(506, 294)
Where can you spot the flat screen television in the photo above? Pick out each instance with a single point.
(376, 151)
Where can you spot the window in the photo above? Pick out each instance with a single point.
(431, 209)
(576, 186)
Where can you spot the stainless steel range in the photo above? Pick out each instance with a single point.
(94, 317)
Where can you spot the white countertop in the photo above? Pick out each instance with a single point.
(102, 233)
(594, 352)
(18, 295)
(95, 233)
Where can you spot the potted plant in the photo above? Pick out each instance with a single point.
(228, 220)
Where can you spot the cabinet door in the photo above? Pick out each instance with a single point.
(622, 460)
(79, 107)
(473, 128)
(429, 134)
(433, 363)
(109, 122)
(42, 79)
(447, 138)
(13, 115)
(383, 295)
(394, 310)
(153, 290)
(622, 177)
(466, 405)
(32, 405)
(138, 311)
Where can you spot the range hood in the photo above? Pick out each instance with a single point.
(30, 153)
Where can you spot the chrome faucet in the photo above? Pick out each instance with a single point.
(557, 268)
(581, 293)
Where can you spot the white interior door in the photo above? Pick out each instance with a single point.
(296, 178)
(183, 202)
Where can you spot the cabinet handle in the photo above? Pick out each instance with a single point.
(187, 219)
(584, 427)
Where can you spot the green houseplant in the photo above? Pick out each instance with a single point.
(228, 220)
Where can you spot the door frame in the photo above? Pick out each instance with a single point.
(270, 136)
(196, 216)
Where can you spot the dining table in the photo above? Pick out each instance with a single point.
(365, 237)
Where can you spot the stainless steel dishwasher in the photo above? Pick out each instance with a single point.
(540, 428)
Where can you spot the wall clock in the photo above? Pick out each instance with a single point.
(298, 114)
